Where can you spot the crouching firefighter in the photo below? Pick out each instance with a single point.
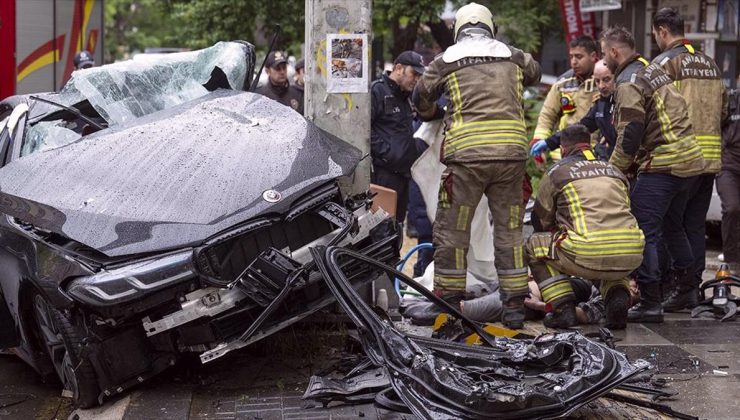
(485, 150)
(584, 229)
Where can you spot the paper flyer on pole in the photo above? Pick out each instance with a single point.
(347, 63)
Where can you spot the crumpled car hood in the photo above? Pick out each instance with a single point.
(175, 177)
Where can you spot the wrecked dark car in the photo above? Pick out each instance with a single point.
(155, 208)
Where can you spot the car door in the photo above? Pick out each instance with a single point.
(11, 131)
(11, 138)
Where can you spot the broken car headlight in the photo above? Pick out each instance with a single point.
(129, 282)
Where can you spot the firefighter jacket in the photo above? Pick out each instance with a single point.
(699, 81)
(654, 133)
(566, 103)
(484, 119)
(585, 203)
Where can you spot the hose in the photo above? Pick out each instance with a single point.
(402, 263)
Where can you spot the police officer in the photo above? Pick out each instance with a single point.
(485, 150)
(392, 144)
(300, 73)
(728, 183)
(84, 60)
(586, 230)
(655, 139)
(277, 86)
(599, 117)
(572, 96)
(698, 79)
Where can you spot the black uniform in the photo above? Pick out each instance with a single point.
(287, 95)
(728, 183)
(392, 145)
(599, 117)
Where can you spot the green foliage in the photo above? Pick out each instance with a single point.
(532, 107)
(525, 23)
(132, 25)
(202, 23)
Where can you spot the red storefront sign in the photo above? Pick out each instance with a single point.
(575, 23)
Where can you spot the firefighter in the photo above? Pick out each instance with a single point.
(699, 81)
(485, 150)
(572, 96)
(585, 227)
(598, 118)
(654, 139)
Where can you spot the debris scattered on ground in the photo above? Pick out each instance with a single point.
(547, 376)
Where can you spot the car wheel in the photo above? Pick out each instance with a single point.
(63, 342)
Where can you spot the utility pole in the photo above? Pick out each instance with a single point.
(345, 115)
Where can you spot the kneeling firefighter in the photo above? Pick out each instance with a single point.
(585, 229)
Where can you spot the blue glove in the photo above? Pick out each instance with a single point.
(538, 148)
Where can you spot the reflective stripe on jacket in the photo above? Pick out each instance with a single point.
(567, 102)
(652, 122)
(484, 119)
(699, 81)
(586, 202)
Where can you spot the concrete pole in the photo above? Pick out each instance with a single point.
(345, 115)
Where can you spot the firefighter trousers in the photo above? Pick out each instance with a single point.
(551, 268)
(461, 188)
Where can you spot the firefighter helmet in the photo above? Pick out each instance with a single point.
(473, 13)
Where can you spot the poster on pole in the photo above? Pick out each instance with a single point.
(347, 63)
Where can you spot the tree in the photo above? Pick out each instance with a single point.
(136, 24)
(524, 23)
(133, 25)
(201, 23)
(401, 21)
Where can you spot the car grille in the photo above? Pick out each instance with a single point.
(225, 260)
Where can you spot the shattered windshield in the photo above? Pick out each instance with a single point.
(47, 135)
(126, 90)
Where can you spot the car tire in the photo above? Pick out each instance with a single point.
(62, 341)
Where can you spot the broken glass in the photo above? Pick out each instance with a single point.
(122, 91)
(47, 135)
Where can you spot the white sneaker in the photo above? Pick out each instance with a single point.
(721, 257)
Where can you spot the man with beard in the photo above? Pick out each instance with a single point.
(699, 81)
(656, 140)
(572, 96)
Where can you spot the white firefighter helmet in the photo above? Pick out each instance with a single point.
(473, 13)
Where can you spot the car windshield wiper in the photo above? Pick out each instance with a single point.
(75, 111)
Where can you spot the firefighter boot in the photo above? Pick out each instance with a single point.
(617, 303)
(563, 315)
(685, 295)
(649, 308)
(513, 315)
